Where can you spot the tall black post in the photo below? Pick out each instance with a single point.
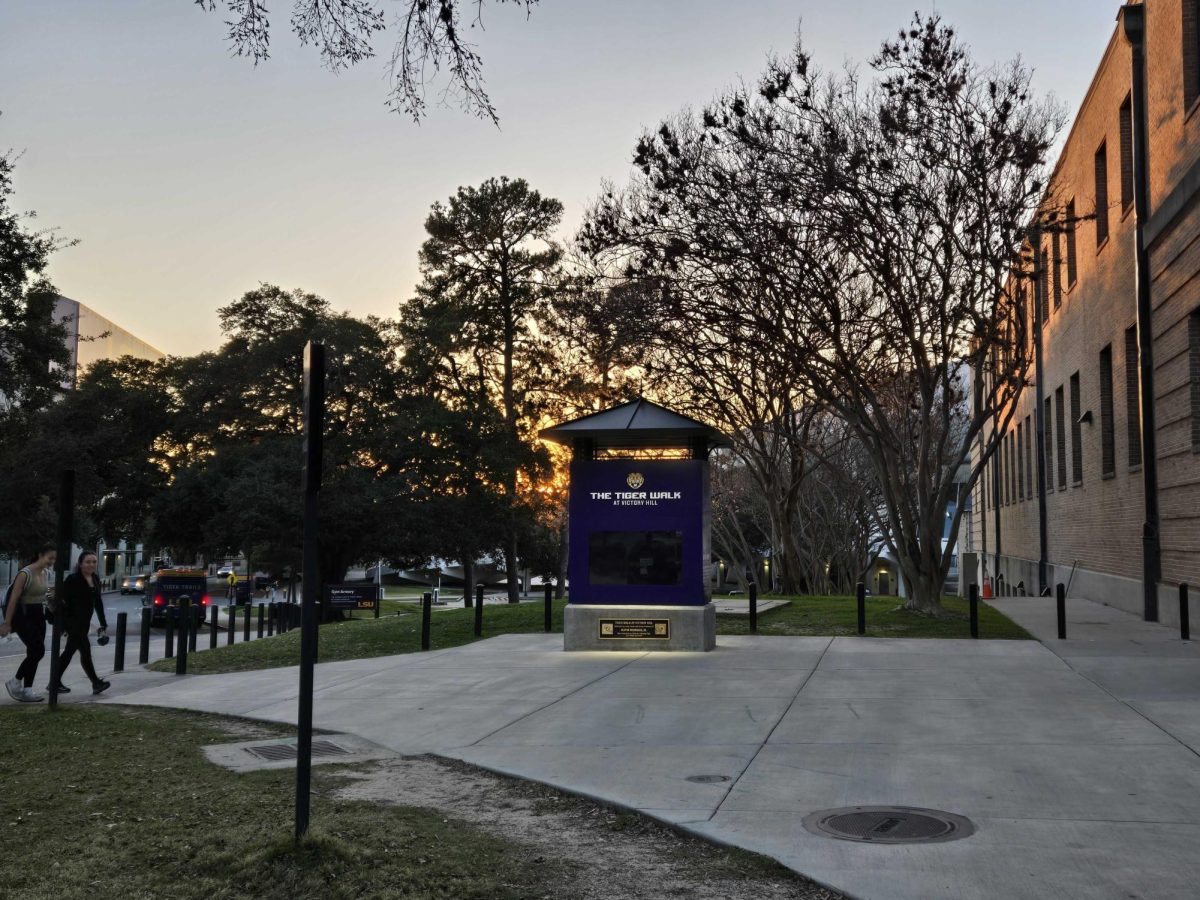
(246, 622)
(973, 600)
(479, 611)
(1133, 23)
(261, 612)
(214, 612)
(144, 634)
(119, 649)
(185, 623)
(66, 515)
(1185, 625)
(860, 593)
(169, 636)
(314, 427)
(549, 610)
(1061, 602)
(753, 589)
(426, 607)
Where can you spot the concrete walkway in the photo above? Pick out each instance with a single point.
(1079, 770)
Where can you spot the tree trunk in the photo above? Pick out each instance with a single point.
(510, 567)
(468, 565)
(564, 556)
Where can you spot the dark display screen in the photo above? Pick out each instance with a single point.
(635, 557)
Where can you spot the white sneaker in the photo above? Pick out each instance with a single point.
(14, 688)
(28, 696)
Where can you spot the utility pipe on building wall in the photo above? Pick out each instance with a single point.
(1133, 25)
(1039, 418)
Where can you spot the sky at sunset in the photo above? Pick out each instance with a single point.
(189, 176)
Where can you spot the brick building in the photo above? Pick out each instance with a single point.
(1109, 395)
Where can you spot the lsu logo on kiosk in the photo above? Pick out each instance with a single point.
(635, 480)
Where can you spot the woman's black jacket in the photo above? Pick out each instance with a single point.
(81, 600)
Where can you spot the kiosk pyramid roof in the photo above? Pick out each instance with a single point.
(638, 423)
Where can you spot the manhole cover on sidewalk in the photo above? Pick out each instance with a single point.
(888, 825)
(708, 779)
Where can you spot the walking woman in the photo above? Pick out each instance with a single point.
(81, 597)
(26, 615)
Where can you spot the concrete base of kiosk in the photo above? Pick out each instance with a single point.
(671, 628)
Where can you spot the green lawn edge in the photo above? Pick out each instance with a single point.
(400, 631)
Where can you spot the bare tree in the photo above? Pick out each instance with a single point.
(875, 233)
(430, 38)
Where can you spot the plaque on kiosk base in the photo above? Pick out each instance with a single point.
(641, 627)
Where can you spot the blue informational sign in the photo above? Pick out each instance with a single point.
(639, 532)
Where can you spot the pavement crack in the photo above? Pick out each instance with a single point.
(765, 740)
(534, 712)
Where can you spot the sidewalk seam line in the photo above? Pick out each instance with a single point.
(782, 716)
(534, 712)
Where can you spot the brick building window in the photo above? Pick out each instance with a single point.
(1048, 455)
(1072, 270)
(1133, 405)
(1012, 465)
(1191, 52)
(1102, 194)
(1060, 437)
(1020, 461)
(1076, 433)
(1194, 375)
(1108, 442)
(1029, 485)
(1127, 153)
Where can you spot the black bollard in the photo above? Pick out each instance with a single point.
(170, 635)
(119, 650)
(1185, 627)
(426, 609)
(479, 611)
(229, 638)
(261, 612)
(144, 645)
(1061, 593)
(860, 592)
(246, 624)
(973, 600)
(195, 620)
(185, 621)
(549, 611)
(272, 610)
(752, 587)
(214, 614)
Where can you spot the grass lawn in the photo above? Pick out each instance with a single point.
(102, 802)
(399, 630)
(885, 618)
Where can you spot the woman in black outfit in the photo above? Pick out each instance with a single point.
(81, 597)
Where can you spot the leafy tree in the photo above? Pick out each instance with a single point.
(344, 32)
(876, 234)
(472, 334)
(235, 438)
(33, 358)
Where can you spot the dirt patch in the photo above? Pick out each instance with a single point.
(606, 853)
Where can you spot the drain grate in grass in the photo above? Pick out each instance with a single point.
(280, 752)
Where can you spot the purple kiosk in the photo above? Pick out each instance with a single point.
(640, 552)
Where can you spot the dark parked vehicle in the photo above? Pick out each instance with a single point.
(169, 586)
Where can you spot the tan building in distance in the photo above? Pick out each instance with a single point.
(92, 337)
(1088, 414)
